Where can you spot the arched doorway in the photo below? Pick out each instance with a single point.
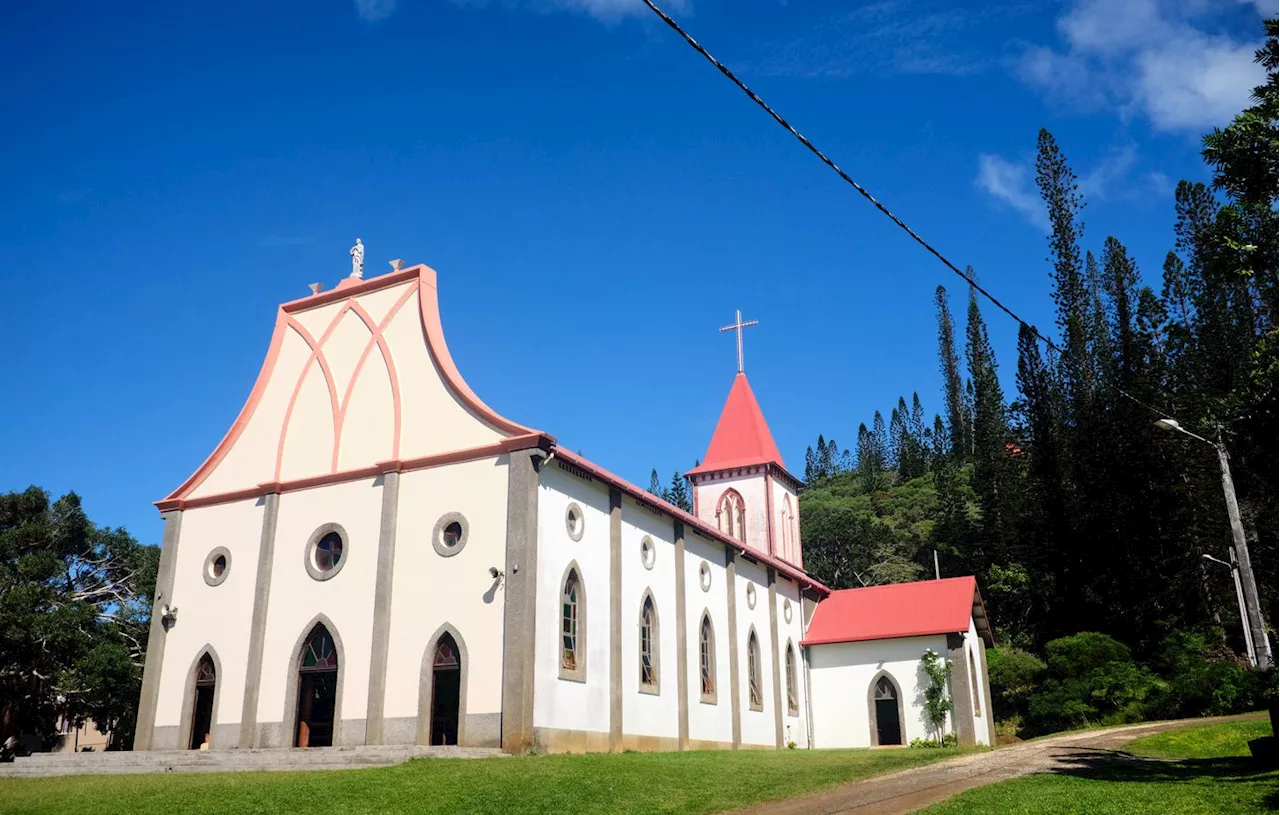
(886, 709)
(317, 690)
(446, 686)
(202, 703)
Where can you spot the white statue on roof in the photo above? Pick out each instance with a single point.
(357, 260)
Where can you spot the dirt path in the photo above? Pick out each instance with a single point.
(909, 790)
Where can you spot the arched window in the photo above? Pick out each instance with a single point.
(756, 694)
(788, 530)
(973, 685)
(648, 649)
(707, 658)
(731, 515)
(793, 703)
(572, 627)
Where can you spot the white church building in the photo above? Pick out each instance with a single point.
(372, 555)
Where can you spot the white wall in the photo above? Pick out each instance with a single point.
(347, 598)
(841, 675)
(562, 703)
(646, 714)
(429, 590)
(794, 727)
(211, 615)
(757, 725)
(707, 721)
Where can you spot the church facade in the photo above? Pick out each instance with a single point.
(372, 555)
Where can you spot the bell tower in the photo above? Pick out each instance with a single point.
(742, 487)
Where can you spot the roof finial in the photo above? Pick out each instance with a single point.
(738, 325)
(357, 260)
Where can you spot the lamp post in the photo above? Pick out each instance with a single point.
(1244, 615)
(1244, 570)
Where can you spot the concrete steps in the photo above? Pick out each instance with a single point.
(222, 761)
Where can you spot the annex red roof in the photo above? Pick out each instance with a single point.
(742, 436)
(899, 610)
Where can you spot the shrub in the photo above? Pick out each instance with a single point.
(1092, 679)
(948, 740)
(1201, 680)
(1015, 674)
(936, 703)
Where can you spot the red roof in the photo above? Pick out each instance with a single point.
(899, 610)
(742, 436)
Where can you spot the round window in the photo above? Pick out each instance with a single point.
(786, 610)
(751, 595)
(326, 552)
(450, 534)
(217, 566)
(646, 552)
(573, 521)
(704, 576)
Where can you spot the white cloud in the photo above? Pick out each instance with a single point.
(374, 10)
(1011, 183)
(1152, 57)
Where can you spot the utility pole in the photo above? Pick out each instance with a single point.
(1244, 569)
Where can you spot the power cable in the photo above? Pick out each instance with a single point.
(973, 284)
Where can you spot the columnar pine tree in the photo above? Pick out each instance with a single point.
(952, 384)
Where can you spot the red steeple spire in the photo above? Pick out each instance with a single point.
(742, 436)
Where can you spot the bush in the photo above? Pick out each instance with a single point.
(948, 740)
(1015, 674)
(1092, 679)
(1202, 680)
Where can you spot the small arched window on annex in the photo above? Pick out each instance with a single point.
(442, 689)
(885, 711)
(573, 625)
(707, 659)
(793, 699)
(731, 514)
(755, 678)
(200, 701)
(649, 649)
(313, 690)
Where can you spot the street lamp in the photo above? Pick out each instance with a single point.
(1244, 615)
(1244, 571)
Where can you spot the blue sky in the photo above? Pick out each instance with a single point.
(596, 199)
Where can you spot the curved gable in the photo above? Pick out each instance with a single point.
(356, 380)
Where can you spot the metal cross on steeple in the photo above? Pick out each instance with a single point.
(738, 325)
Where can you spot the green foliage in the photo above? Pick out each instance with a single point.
(75, 606)
(677, 494)
(1014, 675)
(1092, 679)
(949, 740)
(936, 702)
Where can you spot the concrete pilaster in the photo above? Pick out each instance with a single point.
(520, 585)
(380, 644)
(150, 694)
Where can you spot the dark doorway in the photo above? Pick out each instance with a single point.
(202, 707)
(888, 725)
(446, 686)
(317, 690)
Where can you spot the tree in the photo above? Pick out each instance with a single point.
(75, 607)
(655, 486)
(678, 492)
(952, 385)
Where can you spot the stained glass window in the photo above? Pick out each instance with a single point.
(648, 674)
(753, 671)
(569, 622)
(707, 656)
(329, 552)
(732, 515)
(219, 565)
(206, 674)
(319, 654)
(446, 653)
(452, 534)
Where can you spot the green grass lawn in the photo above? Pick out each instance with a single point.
(701, 782)
(1201, 770)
